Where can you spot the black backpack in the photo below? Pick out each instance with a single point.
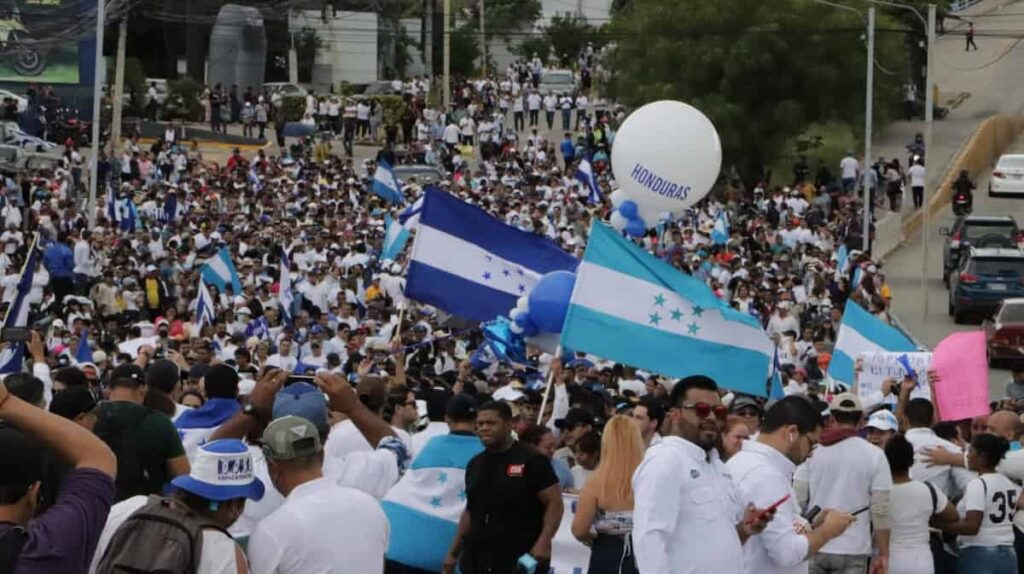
(12, 539)
(122, 438)
(162, 537)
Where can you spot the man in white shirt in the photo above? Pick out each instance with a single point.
(848, 472)
(648, 415)
(763, 474)
(916, 175)
(533, 102)
(687, 516)
(283, 359)
(849, 166)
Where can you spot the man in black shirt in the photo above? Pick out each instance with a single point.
(513, 505)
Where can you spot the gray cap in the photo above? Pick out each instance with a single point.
(290, 437)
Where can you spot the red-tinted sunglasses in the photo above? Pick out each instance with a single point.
(704, 409)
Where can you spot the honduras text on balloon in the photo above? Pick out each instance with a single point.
(654, 182)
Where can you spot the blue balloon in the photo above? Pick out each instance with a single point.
(522, 319)
(530, 329)
(549, 300)
(636, 227)
(628, 209)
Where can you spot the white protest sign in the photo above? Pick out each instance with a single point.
(568, 555)
(877, 367)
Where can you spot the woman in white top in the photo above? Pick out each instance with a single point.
(911, 506)
(985, 527)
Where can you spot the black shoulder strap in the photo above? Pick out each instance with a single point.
(935, 497)
(12, 540)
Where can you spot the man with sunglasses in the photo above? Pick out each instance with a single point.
(763, 475)
(687, 518)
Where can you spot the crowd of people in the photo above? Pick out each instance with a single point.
(328, 423)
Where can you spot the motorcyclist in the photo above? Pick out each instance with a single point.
(963, 186)
(916, 148)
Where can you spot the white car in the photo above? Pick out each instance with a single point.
(1007, 177)
(22, 100)
(280, 90)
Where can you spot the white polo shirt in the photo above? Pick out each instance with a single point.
(951, 480)
(322, 527)
(685, 512)
(843, 475)
(762, 476)
(995, 496)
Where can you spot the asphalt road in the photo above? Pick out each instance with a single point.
(903, 271)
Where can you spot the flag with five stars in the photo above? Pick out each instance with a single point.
(631, 307)
(472, 265)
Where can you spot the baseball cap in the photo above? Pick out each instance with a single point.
(128, 372)
(302, 400)
(883, 420)
(461, 407)
(574, 418)
(163, 374)
(222, 470)
(745, 401)
(845, 403)
(290, 437)
(72, 402)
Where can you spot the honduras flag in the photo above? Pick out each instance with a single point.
(720, 232)
(410, 216)
(630, 307)
(284, 284)
(585, 175)
(83, 353)
(13, 357)
(258, 328)
(472, 265)
(219, 271)
(126, 214)
(385, 184)
(394, 238)
(204, 307)
(425, 506)
(862, 332)
(169, 214)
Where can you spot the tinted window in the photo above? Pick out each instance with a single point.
(1012, 314)
(1011, 162)
(997, 266)
(976, 231)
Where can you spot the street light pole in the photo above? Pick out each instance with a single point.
(929, 100)
(97, 97)
(446, 88)
(869, 106)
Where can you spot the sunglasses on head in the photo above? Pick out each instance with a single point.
(704, 409)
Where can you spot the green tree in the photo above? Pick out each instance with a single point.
(465, 50)
(506, 17)
(307, 44)
(538, 45)
(757, 69)
(567, 36)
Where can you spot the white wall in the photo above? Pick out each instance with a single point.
(350, 39)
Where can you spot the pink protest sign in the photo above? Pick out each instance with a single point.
(962, 391)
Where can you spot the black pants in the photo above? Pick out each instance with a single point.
(518, 122)
(918, 196)
(970, 43)
(550, 117)
(945, 563)
(534, 114)
(62, 286)
(1018, 545)
(263, 127)
(612, 555)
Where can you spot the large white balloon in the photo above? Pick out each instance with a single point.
(666, 156)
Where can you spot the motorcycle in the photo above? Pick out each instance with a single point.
(68, 128)
(962, 204)
(27, 56)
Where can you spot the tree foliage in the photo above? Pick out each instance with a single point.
(506, 17)
(569, 34)
(465, 50)
(761, 71)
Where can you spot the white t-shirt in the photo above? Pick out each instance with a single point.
(217, 557)
(910, 509)
(916, 174)
(996, 497)
(849, 166)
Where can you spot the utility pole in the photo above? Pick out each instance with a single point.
(118, 88)
(483, 43)
(97, 96)
(428, 38)
(868, 119)
(446, 86)
(930, 167)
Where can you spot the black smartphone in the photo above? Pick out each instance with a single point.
(292, 379)
(15, 334)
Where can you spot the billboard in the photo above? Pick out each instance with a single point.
(39, 40)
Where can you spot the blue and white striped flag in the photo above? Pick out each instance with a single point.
(169, 214)
(258, 328)
(720, 232)
(842, 258)
(284, 284)
(12, 358)
(127, 215)
(205, 311)
(862, 332)
(385, 184)
(425, 505)
(631, 307)
(410, 216)
(23, 139)
(395, 237)
(83, 352)
(470, 264)
(220, 271)
(254, 178)
(585, 175)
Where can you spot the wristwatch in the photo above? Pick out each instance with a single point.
(250, 410)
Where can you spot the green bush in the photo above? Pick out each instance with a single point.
(294, 107)
(394, 108)
(183, 100)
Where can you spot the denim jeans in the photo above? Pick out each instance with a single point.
(838, 564)
(987, 560)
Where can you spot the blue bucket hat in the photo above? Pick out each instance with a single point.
(222, 470)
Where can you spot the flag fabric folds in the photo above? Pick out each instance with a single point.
(220, 271)
(472, 265)
(585, 175)
(395, 237)
(720, 232)
(284, 296)
(385, 184)
(630, 307)
(204, 307)
(13, 357)
(83, 353)
(862, 332)
(410, 216)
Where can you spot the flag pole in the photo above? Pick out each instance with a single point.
(547, 388)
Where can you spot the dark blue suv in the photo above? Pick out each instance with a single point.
(985, 276)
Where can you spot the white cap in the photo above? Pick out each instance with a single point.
(244, 311)
(883, 420)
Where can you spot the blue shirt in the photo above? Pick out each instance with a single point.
(59, 261)
(568, 149)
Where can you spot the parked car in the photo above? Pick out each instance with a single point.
(557, 82)
(278, 90)
(1007, 177)
(977, 231)
(381, 88)
(15, 160)
(423, 172)
(986, 276)
(1004, 332)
